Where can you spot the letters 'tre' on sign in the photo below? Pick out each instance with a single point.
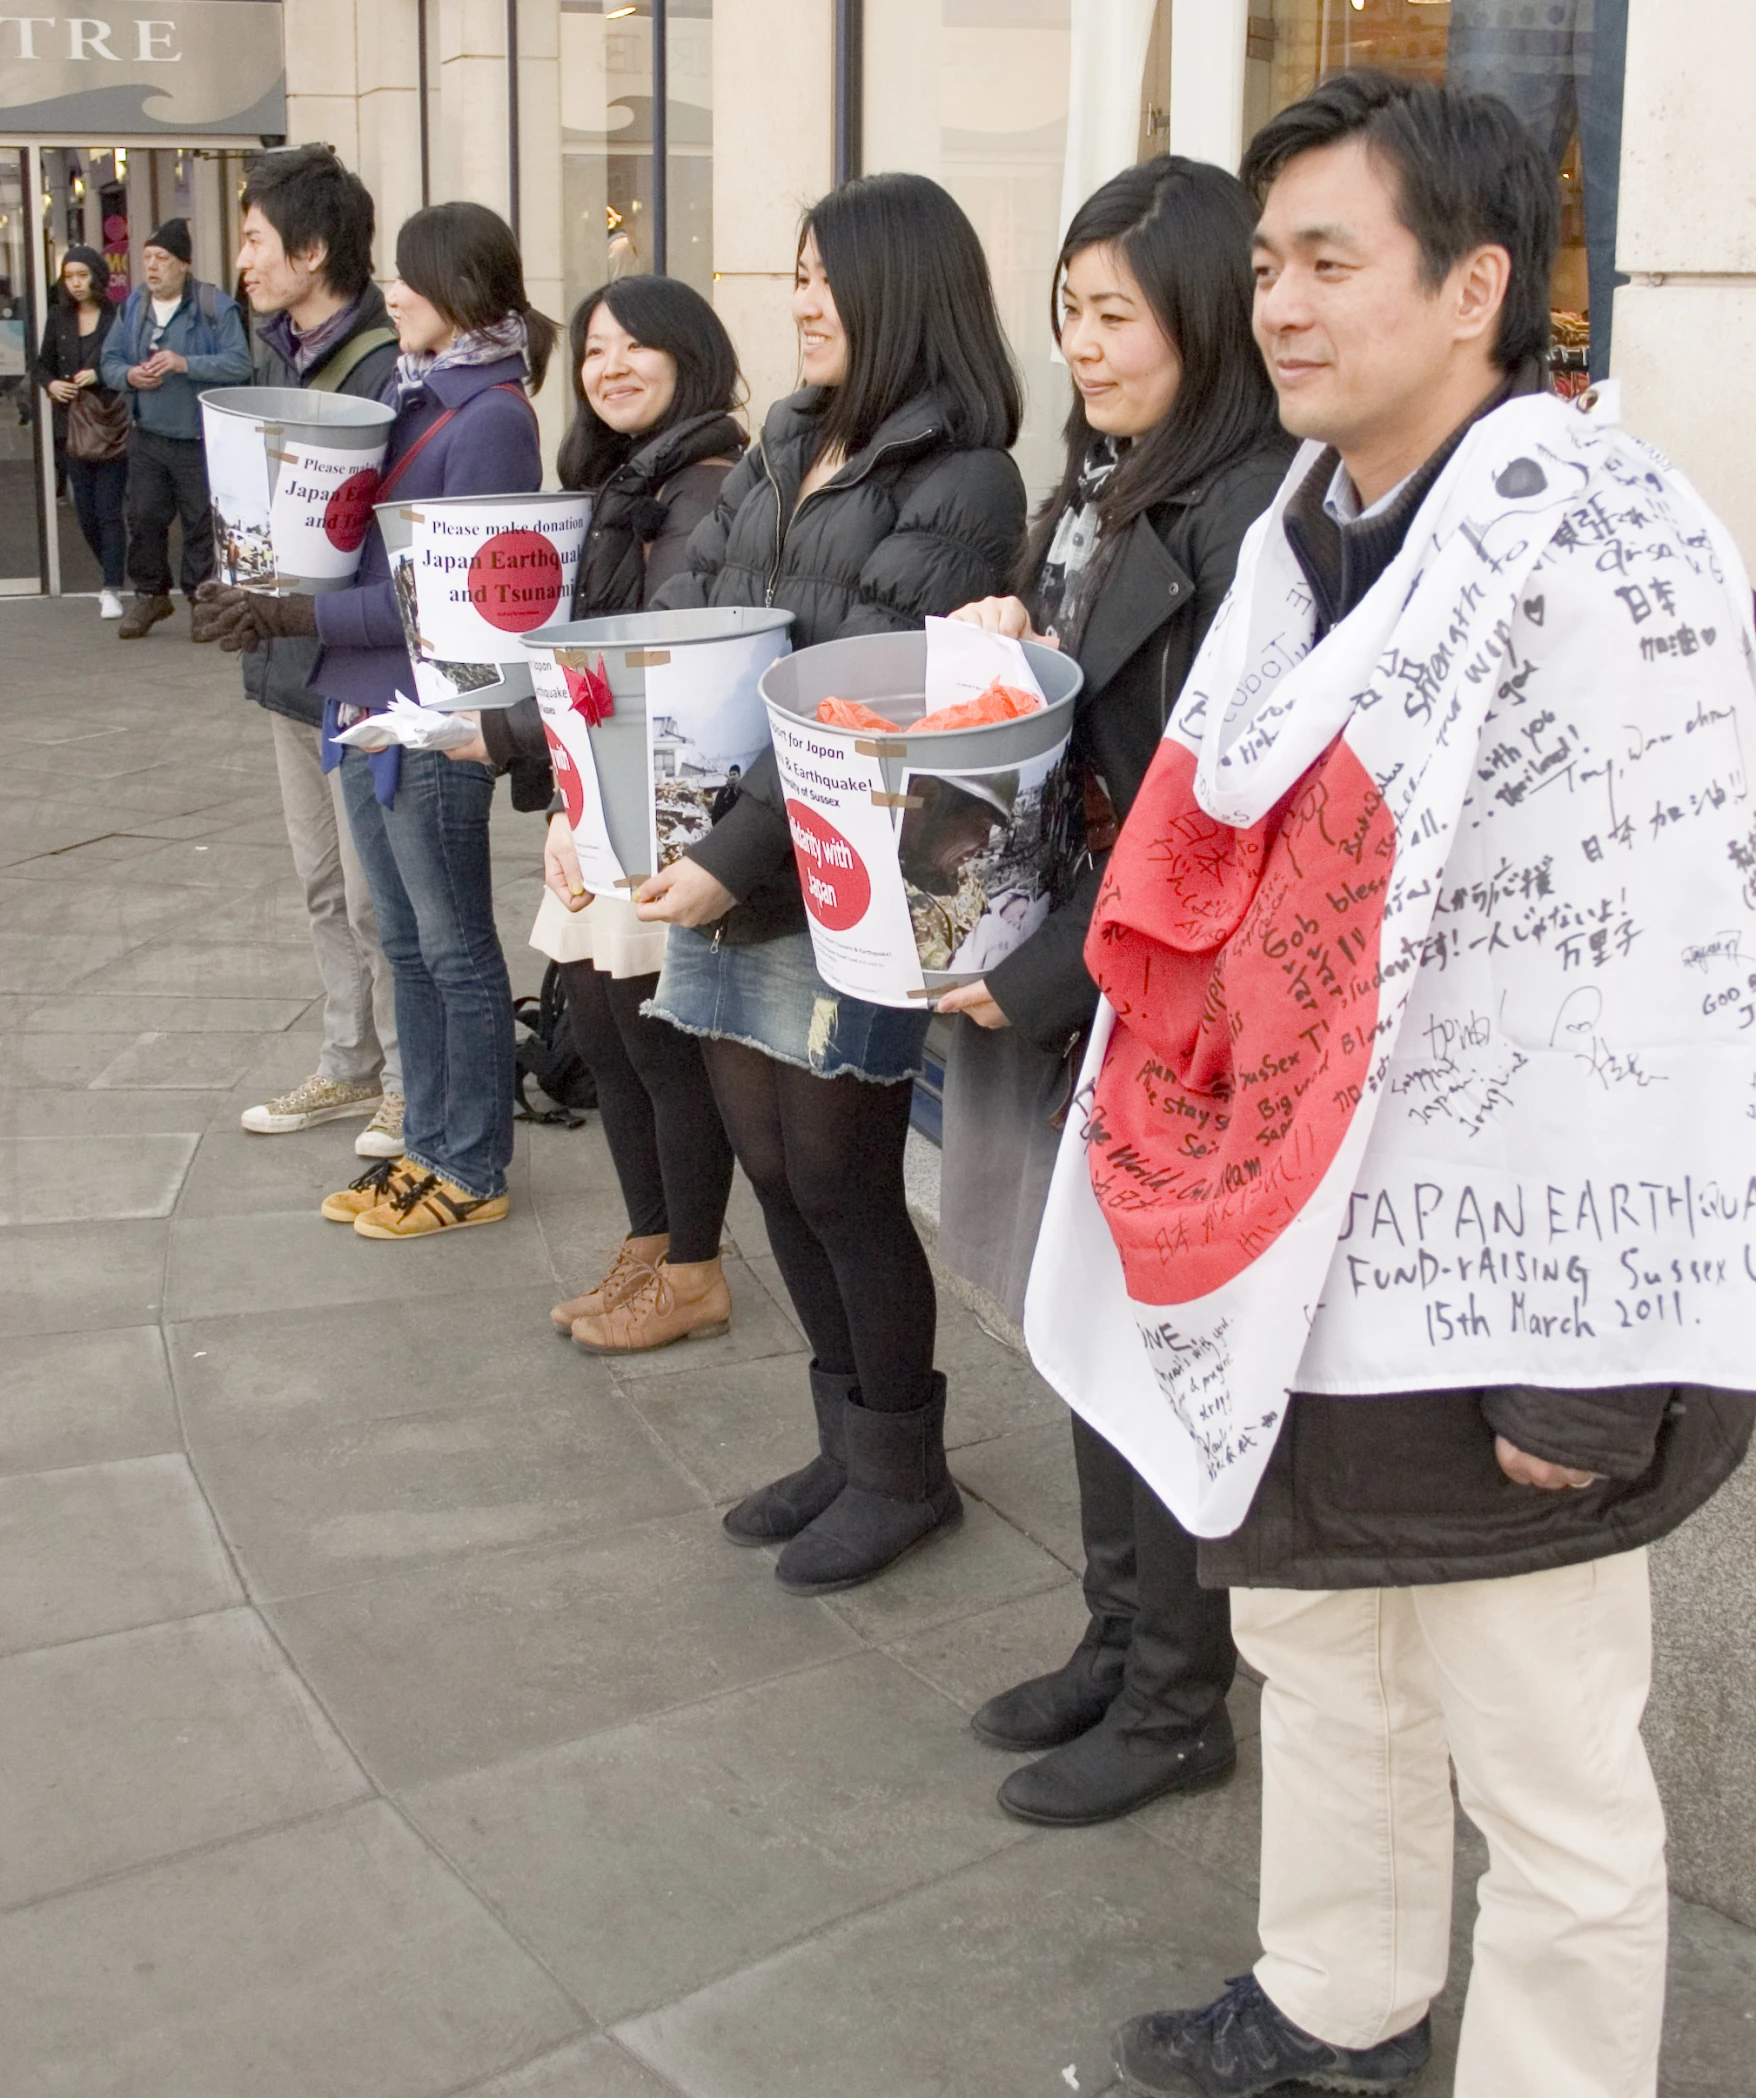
(175, 67)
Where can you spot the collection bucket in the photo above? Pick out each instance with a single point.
(292, 476)
(474, 575)
(925, 857)
(651, 719)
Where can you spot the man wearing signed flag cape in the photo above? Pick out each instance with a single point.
(1397, 1239)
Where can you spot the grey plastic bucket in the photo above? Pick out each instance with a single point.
(255, 438)
(630, 649)
(888, 673)
(501, 678)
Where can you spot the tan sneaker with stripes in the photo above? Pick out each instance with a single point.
(376, 1184)
(423, 1203)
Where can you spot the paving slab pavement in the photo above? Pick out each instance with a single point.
(382, 1712)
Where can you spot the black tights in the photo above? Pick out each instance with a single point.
(825, 1158)
(670, 1153)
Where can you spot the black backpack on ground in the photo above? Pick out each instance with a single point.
(546, 1057)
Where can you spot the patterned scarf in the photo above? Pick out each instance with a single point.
(506, 337)
(305, 350)
(1070, 568)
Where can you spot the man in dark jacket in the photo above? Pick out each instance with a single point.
(176, 337)
(1442, 1576)
(306, 261)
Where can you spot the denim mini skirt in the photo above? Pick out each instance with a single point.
(770, 997)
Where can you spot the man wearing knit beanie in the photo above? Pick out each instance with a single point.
(177, 337)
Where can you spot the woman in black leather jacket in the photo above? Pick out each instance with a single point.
(1173, 450)
(879, 494)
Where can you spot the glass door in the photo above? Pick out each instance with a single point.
(21, 561)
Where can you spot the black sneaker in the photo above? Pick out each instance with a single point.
(1242, 2046)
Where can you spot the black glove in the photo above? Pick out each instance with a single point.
(239, 620)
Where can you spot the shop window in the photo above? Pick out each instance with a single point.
(974, 93)
(1560, 66)
(617, 221)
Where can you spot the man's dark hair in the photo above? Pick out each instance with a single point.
(307, 196)
(1183, 228)
(913, 294)
(665, 314)
(1468, 174)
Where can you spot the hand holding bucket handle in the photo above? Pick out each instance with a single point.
(684, 893)
(561, 864)
(976, 1000)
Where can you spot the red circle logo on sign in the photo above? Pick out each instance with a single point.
(515, 581)
(831, 873)
(349, 511)
(567, 778)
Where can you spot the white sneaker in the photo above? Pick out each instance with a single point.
(109, 605)
(317, 1100)
(382, 1136)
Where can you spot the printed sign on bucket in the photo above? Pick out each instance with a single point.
(838, 890)
(292, 480)
(486, 573)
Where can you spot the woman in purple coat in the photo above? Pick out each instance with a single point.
(471, 346)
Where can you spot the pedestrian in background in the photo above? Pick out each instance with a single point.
(880, 493)
(470, 343)
(176, 336)
(305, 263)
(91, 419)
(1174, 448)
(655, 381)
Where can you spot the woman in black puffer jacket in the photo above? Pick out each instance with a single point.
(655, 378)
(879, 494)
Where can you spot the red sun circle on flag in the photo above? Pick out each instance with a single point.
(348, 512)
(831, 873)
(515, 581)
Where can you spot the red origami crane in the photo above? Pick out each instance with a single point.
(589, 693)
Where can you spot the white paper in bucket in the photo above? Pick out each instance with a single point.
(918, 875)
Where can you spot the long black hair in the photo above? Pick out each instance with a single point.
(1183, 227)
(912, 290)
(464, 260)
(664, 314)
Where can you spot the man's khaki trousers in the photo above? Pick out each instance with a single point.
(1533, 1686)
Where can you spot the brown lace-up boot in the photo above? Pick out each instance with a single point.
(690, 1302)
(635, 1258)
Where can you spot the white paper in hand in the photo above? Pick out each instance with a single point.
(414, 727)
(964, 660)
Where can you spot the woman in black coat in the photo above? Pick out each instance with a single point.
(80, 318)
(655, 379)
(879, 494)
(1173, 450)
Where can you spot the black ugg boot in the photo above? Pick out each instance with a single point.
(1050, 1709)
(898, 1494)
(776, 1512)
(1118, 1765)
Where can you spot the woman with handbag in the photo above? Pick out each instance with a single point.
(91, 422)
(655, 379)
(1173, 449)
(880, 493)
(471, 345)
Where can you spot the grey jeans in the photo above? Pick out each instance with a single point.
(359, 992)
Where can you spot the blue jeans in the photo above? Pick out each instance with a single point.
(426, 862)
(99, 487)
